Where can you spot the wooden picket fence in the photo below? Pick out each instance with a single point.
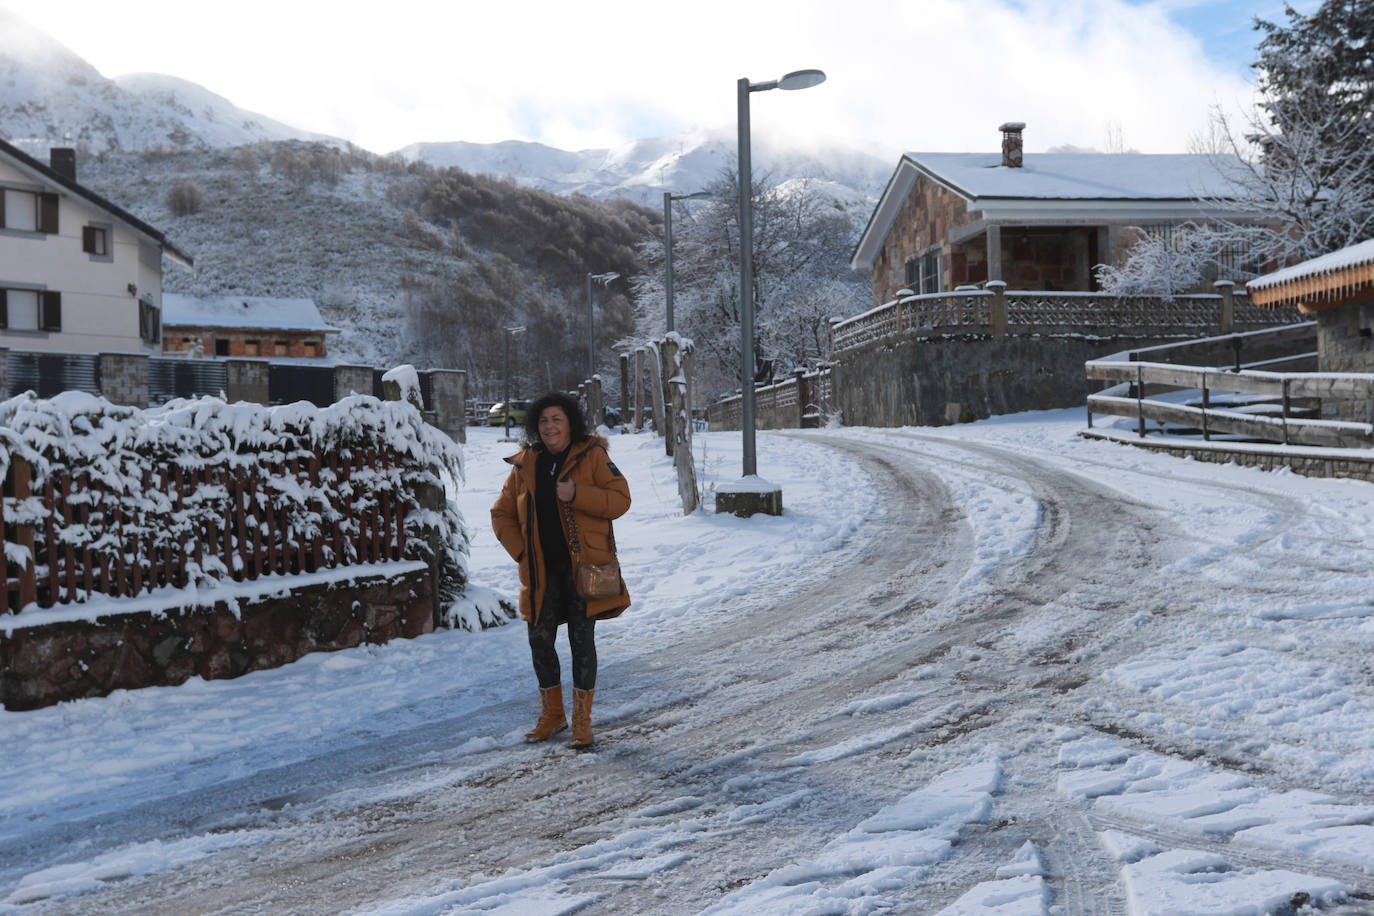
(81, 546)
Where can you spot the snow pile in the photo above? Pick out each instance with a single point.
(123, 464)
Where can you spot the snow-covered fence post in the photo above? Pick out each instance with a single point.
(639, 388)
(680, 424)
(403, 384)
(624, 389)
(668, 365)
(998, 318)
(655, 373)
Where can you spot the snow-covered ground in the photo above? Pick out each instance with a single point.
(990, 668)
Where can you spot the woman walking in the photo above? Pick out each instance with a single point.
(554, 519)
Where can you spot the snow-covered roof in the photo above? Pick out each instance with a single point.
(1058, 186)
(1321, 282)
(266, 312)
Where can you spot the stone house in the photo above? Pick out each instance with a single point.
(78, 274)
(1037, 221)
(244, 326)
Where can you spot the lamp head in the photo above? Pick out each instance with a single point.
(802, 79)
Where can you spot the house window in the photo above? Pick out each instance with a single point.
(923, 272)
(30, 310)
(1162, 231)
(149, 321)
(1237, 261)
(95, 241)
(280, 348)
(250, 348)
(221, 347)
(28, 211)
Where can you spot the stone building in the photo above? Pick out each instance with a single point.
(244, 326)
(1037, 221)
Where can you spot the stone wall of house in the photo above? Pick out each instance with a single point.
(43, 665)
(249, 380)
(926, 217)
(1345, 343)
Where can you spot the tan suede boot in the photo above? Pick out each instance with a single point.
(582, 719)
(552, 719)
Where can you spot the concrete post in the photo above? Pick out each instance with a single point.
(248, 380)
(1227, 314)
(994, 252)
(998, 319)
(449, 392)
(124, 378)
(350, 380)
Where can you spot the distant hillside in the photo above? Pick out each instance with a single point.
(50, 96)
(644, 169)
(414, 264)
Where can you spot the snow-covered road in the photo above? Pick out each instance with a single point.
(980, 669)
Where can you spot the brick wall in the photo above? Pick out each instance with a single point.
(305, 344)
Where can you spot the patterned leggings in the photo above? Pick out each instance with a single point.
(562, 603)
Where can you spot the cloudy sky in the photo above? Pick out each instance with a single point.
(934, 75)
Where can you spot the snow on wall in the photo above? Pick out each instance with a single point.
(76, 433)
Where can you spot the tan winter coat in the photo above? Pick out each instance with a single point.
(602, 494)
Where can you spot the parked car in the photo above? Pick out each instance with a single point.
(496, 416)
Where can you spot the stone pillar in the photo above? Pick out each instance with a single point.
(998, 318)
(247, 380)
(124, 378)
(448, 389)
(624, 389)
(1227, 313)
(350, 380)
(994, 252)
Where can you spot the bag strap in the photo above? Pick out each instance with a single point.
(574, 536)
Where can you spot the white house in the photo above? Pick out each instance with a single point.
(77, 273)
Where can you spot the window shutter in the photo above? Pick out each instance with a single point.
(4, 305)
(155, 323)
(47, 213)
(2, 208)
(88, 239)
(142, 320)
(50, 308)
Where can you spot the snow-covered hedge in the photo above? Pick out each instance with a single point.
(123, 459)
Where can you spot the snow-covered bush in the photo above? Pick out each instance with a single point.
(121, 464)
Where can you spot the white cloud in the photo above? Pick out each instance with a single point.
(921, 74)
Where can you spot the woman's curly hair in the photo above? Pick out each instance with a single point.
(577, 422)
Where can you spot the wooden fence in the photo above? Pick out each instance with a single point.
(1296, 395)
(76, 539)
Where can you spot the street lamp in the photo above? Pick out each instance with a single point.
(797, 79)
(668, 244)
(509, 332)
(605, 280)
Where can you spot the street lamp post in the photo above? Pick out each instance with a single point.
(668, 199)
(509, 332)
(797, 79)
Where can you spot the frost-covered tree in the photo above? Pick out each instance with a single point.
(1162, 263)
(802, 241)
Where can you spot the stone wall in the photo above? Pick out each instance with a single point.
(1345, 343)
(350, 380)
(249, 380)
(925, 382)
(926, 217)
(124, 378)
(46, 664)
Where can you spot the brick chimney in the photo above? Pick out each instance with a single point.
(1011, 143)
(63, 161)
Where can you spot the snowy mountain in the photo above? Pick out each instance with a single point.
(49, 95)
(643, 169)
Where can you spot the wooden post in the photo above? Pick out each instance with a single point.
(1206, 408)
(624, 389)
(639, 388)
(1286, 406)
(1226, 316)
(71, 551)
(668, 361)
(653, 357)
(1140, 396)
(28, 588)
(50, 540)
